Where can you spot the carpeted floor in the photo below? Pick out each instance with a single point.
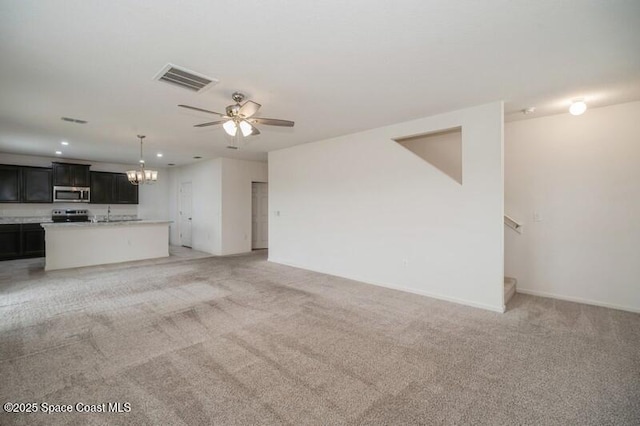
(238, 340)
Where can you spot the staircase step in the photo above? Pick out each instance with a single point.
(509, 288)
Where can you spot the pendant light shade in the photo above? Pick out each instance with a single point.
(142, 175)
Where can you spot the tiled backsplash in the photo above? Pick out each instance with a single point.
(44, 210)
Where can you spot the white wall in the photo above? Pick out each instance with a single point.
(363, 207)
(237, 176)
(221, 203)
(581, 176)
(153, 199)
(206, 180)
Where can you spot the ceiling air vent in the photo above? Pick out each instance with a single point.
(184, 78)
(74, 120)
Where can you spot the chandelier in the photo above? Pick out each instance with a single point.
(141, 176)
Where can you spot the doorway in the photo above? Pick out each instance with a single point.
(259, 215)
(186, 206)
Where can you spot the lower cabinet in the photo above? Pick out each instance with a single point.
(21, 241)
(10, 244)
(32, 240)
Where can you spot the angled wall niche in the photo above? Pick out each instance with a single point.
(441, 149)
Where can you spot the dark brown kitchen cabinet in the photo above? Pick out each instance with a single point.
(67, 174)
(9, 241)
(127, 193)
(9, 184)
(103, 188)
(19, 241)
(112, 188)
(21, 184)
(36, 185)
(32, 239)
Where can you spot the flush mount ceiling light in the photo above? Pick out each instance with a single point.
(578, 107)
(139, 177)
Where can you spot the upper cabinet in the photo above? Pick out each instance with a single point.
(67, 174)
(9, 184)
(22, 184)
(103, 187)
(127, 193)
(112, 188)
(36, 185)
(19, 184)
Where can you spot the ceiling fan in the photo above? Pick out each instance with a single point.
(240, 117)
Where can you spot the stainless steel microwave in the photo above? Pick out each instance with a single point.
(71, 194)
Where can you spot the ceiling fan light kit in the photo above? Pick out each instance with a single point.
(142, 175)
(230, 127)
(240, 117)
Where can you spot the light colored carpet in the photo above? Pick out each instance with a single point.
(239, 340)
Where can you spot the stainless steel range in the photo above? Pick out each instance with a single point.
(70, 215)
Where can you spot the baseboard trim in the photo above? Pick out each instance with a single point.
(577, 300)
(465, 302)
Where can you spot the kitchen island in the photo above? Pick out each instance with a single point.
(72, 245)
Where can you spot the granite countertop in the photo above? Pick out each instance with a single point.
(27, 219)
(111, 223)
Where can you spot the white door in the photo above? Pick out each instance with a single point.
(186, 205)
(259, 215)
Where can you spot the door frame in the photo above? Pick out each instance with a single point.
(251, 239)
(180, 214)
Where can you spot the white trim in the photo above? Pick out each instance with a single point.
(577, 300)
(492, 308)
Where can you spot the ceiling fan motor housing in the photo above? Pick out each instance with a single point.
(237, 97)
(232, 110)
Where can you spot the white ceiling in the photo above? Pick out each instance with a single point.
(334, 67)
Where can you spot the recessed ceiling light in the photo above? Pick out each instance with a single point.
(578, 107)
(159, 155)
(65, 143)
(171, 164)
(529, 110)
(58, 152)
(197, 157)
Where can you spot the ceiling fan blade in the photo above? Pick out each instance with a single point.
(273, 122)
(201, 110)
(249, 108)
(211, 123)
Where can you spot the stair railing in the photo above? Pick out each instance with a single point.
(513, 224)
